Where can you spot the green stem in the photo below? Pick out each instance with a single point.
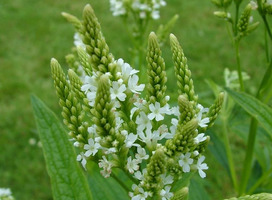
(227, 144)
(267, 27)
(229, 154)
(239, 65)
(260, 181)
(249, 155)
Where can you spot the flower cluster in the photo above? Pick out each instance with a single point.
(142, 8)
(116, 126)
(5, 194)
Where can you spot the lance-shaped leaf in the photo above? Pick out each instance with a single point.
(67, 179)
(255, 108)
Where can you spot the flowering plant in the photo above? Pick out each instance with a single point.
(114, 126)
(120, 124)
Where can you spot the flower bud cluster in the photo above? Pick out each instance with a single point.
(126, 131)
(142, 8)
(242, 25)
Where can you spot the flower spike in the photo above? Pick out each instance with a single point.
(183, 74)
(96, 45)
(156, 72)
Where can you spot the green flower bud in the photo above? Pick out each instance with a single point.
(76, 84)
(261, 196)
(74, 21)
(71, 108)
(155, 168)
(183, 140)
(215, 109)
(186, 110)
(183, 74)
(181, 194)
(96, 45)
(84, 60)
(244, 19)
(103, 115)
(222, 14)
(156, 72)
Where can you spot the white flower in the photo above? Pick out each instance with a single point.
(143, 122)
(110, 150)
(92, 130)
(130, 139)
(175, 111)
(117, 8)
(201, 166)
(78, 41)
(126, 69)
(166, 194)
(106, 165)
(89, 84)
(156, 112)
(119, 122)
(141, 194)
(167, 180)
(76, 144)
(141, 154)
(200, 138)
(82, 158)
(91, 147)
(155, 14)
(163, 132)
(140, 175)
(5, 192)
(139, 104)
(185, 162)
(202, 122)
(149, 137)
(117, 91)
(132, 84)
(132, 165)
(253, 5)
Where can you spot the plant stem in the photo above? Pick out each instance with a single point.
(260, 181)
(249, 155)
(225, 117)
(267, 26)
(239, 65)
(229, 154)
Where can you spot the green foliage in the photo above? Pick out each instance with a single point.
(255, 108)
(67, 178)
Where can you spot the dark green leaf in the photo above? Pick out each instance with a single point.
(255, 108)
(106, 188)
(67, 179)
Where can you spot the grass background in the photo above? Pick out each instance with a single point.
(31, 32)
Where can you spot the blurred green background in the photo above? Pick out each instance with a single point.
(32, 32)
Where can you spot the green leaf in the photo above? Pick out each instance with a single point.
(255, 108)
(197, 190)
(67, 179)
(107, 188)
(217, 147)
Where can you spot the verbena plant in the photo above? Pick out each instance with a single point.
(125, 128)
